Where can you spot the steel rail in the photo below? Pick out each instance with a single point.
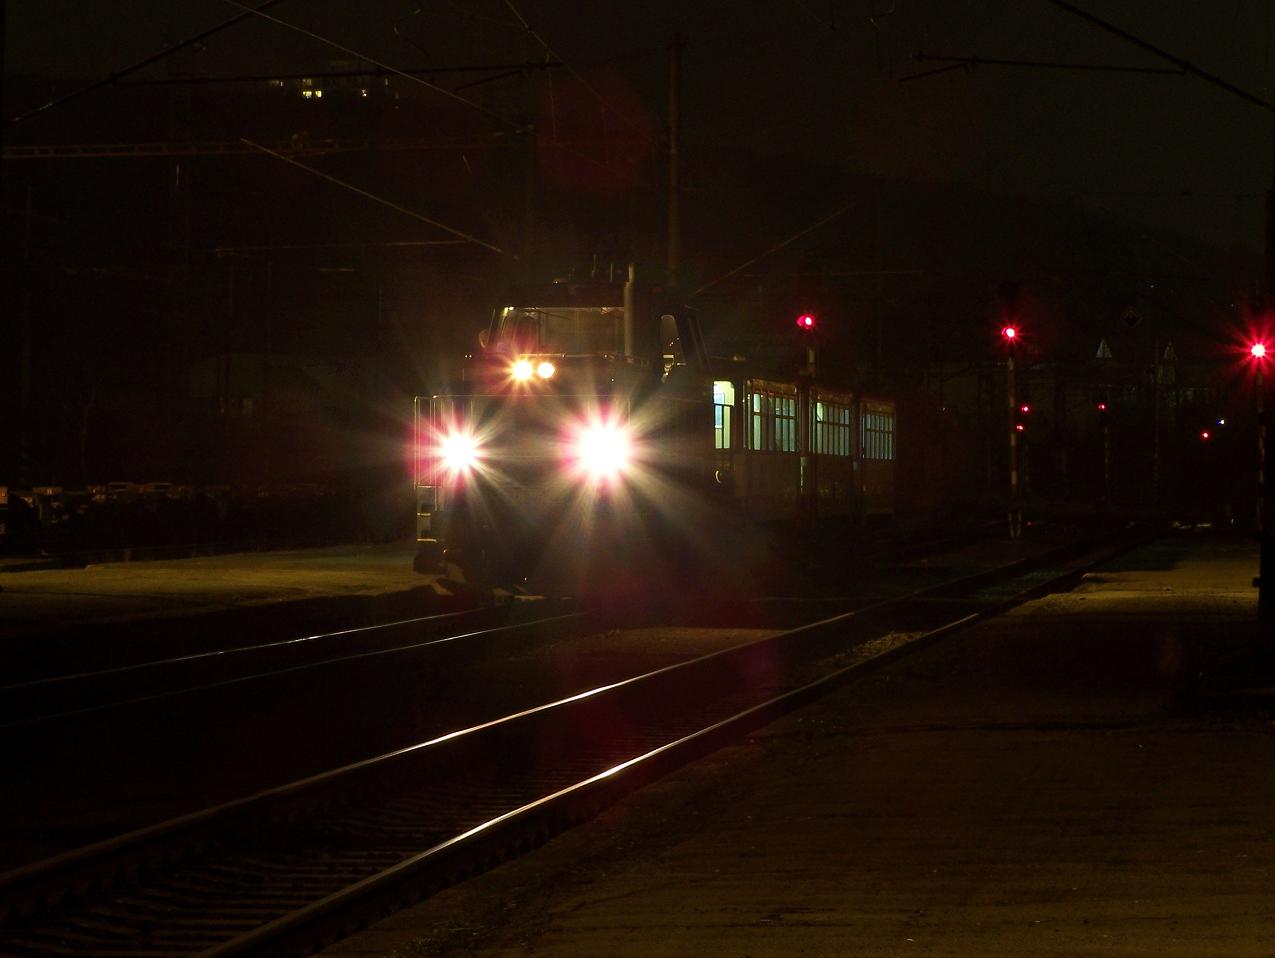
(52, 681)
(754, 694)
(27, 702)
(156, 681)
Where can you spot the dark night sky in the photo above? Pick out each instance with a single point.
(811, 77)
(1091, 193)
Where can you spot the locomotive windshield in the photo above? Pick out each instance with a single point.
(569, 331)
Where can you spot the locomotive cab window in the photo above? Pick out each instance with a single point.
(561, 330)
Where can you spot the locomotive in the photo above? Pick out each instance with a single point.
(592, 440)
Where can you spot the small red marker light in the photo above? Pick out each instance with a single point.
(1102, 407)
(806, 321)
(1010, 333)
(1025, 408)
(1020, 427)
(1204, 434)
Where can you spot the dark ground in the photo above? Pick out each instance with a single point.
(1078, 777)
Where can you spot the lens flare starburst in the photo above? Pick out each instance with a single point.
(602, 450)
(459, 452)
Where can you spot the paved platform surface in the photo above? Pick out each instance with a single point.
(49, 599)
(1069, 779)
(54, 621)
(58, 620)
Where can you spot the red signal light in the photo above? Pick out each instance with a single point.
(1019, 427)
(1010, 333)
(1025, 408)
(1102, 407)
(806, 321)
(1205, 436)
(1258, 350)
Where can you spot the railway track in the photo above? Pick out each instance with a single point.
(83, 694)
(289, 869)
(83, 774)
(80, 695)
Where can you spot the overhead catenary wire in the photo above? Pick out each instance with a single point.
(937, 71)
(443, 91)
(287, 247)
(778, 246)
(972, 63)
(521, 128)
(1184, 65)
(830, 24)
(509, 69)
(606, 104)
(390, 204)
(145, 61)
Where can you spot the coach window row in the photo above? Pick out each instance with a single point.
(771, 416)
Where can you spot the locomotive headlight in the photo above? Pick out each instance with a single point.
(522, 370)
(459, 452)
(546, 369)
(603, 450)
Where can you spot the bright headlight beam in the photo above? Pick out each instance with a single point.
(521, 370)
(604, 450)
(459, 452)
(546, 369)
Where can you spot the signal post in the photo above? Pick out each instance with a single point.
(1265, 574)
(1009, 334)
